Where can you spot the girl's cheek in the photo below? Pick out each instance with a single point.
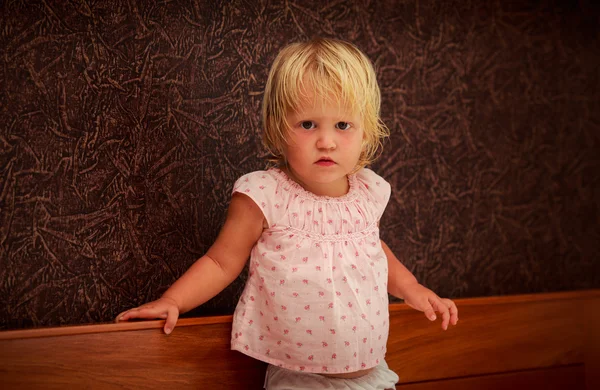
(353, 138)
(300, 136)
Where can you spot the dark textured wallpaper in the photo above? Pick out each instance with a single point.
(124, 124)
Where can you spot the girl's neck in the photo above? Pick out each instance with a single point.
(320, 189)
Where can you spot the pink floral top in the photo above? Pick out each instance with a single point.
(316, 296)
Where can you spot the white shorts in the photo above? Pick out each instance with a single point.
(380, 378)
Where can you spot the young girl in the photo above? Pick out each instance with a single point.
(315, 306)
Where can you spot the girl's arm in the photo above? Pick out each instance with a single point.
(403, 284)
(214, 271)
(399, 277)
(224, 260)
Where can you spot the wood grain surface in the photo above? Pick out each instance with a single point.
(528, 341)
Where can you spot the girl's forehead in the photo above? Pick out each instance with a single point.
(322, 107)
(311, 100)
(319, 96)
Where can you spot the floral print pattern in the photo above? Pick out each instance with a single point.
(316, 296)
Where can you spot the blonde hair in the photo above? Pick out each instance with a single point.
(333, 68)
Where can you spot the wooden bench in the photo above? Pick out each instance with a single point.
(549, 341)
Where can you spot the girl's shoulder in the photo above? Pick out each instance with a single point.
(265, 176)
(270, 182)
(374, 186)
(268, 190)
(368, 176)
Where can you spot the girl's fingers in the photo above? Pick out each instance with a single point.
(453, 311)
(129, 314)
(439, 306)
(429, 312)
(171, 321)
(141, 312)
(150, 312)
(125, 315)
(446, 307)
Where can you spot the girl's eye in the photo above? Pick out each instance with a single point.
(307, 125)
(343, 125)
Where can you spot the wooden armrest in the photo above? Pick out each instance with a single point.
(498, 339)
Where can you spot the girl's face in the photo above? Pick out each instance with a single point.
(324, 145)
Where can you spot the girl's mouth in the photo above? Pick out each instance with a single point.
(325, 162)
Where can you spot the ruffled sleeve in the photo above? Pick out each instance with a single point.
(375, 188)
(265, 190)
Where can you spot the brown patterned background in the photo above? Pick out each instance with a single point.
(124, 125)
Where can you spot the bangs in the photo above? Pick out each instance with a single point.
(320, 77)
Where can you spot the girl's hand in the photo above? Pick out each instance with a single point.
(423, 299)
(164, 308)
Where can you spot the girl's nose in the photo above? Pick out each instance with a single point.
(326, 141)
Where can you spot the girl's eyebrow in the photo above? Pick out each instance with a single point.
(345, 118)
(310, 119)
